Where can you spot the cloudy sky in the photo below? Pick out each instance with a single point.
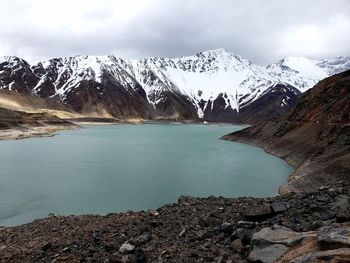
(260, 30)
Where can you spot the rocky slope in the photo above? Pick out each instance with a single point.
(214, 85)
(295, 228)
(314, 137)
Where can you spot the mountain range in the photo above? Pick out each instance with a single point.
(215, 85)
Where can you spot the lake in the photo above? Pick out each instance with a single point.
(102, 169)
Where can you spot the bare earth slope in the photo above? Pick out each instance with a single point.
(314, 137)
(19, 124)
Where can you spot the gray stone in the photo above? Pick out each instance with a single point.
(333, 237)
(126, 248)
(267, 254)
(276, 235)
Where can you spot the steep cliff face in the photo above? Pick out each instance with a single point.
(214, 85)
(276, 101)
(315, 136)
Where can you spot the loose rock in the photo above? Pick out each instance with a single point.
(126, 248)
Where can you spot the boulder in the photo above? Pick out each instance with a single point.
(267, 254)
(258, 212)
(270, 243)
(276, 235)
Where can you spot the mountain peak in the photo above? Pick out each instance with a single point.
(216, 51)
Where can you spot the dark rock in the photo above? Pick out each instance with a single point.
(246, 224)
(154, 223)
(343, 205)
(47, 246)
(244, 234)
(139, 255)
(278, 206)
(226, 228)
(258, 212)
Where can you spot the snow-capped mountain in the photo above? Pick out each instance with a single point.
(214, 85)
(304, 73)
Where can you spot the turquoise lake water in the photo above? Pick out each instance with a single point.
(102, 169)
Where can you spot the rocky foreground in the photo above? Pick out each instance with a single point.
(312, 227)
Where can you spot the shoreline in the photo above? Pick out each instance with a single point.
(289, 162)
(316, 165)
(21, 133)
(212, 229)
(28, 131)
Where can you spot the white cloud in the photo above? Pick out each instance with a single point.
(315, 40)
(262, 31)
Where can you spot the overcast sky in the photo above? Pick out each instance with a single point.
(260, 30)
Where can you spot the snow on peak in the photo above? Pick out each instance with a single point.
(202, 77)
(305, 66)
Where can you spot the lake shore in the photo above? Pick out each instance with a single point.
(299, 226)
(32, 132)
(293, 228)
(288, 228)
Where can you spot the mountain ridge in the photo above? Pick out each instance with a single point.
(188, 87)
